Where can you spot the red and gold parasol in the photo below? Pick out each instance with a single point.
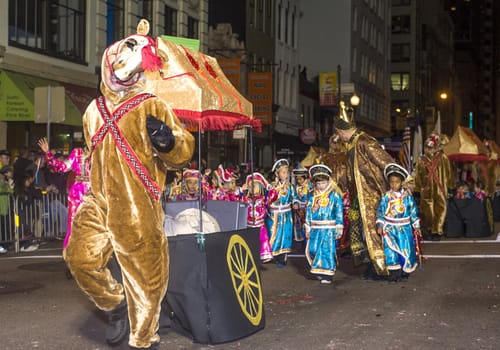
(465, 146)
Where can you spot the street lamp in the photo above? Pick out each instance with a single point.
(355, 100)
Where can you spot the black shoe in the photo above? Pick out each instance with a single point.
(405, 275)
(394, 275)
(153, 346)
(118, 324)
(371, 275)
(436, 237)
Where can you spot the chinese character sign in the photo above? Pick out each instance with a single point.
(260, 93)
(328, 89)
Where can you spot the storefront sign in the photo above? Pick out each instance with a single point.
(328, 89)
(231, 69)
(260, 93)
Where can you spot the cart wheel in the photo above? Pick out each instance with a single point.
(245, 277)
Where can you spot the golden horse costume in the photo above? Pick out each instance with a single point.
(122, 212)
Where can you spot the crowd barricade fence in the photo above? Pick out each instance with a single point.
(42, 219)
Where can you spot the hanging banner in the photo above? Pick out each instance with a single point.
(231, 68)
(328, 89)
(260, 93)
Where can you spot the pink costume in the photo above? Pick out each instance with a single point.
(227, 176)
(257, 206)
(78, 162)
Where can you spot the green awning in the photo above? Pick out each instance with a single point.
(17, 98)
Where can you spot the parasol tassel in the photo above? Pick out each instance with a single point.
(150, 61)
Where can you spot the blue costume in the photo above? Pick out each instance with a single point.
(398, 216)
(325, 218)
(279, 218)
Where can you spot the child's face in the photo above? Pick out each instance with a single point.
(255, 189)
(230, 185)
(192, 185)
(395, 183)
(321, 185)
(300, 180)
(283, 173)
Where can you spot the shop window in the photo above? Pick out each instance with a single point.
(54, 28)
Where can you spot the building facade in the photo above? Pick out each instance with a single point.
(55, 43)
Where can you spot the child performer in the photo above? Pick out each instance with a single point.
(303, 187)
(78, 162)
(397, 222)
(279, 218)
(324, 223)
(190, 179)
(174, 188)
(229, 191)
(259, 195)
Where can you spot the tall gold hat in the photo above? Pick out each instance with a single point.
(345, 119)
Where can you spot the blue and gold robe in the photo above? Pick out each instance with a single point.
(398, 216)
(325, 219)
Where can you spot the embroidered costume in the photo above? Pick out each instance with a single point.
(77, 161)
(303, 191)
(257, 199)
(397, 215)
(324, 224)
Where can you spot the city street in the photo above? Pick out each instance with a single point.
(450, 303)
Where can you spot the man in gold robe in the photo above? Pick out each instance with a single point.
(366, 161)
(434, 178)
(133, 136)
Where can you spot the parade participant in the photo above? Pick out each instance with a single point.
(259, 194)
(174, 188)
(434, 180)
(211, 185)
(366, 160)
(279, 218)
(190, 183)
(132, 137)
(398, 224)
(323, 224)
(229, 191)
(78, 162)
(479, 192)
(303, 188)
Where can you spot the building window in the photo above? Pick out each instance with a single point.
(286, 25)
(401, 2)
(400, 24)
(145, 11)
(279, 22)
(170, 21)
(292, 41)
(400, 53)
(400, 81)
(260, 15)
(192, 28)
(115, 21)
(54, 28)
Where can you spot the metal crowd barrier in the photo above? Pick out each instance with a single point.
(39, 220)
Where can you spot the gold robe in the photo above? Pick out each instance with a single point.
(122, 214)
(433, 178)
(366, 162)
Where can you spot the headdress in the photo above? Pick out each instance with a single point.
(319, 169)
(4, 152)
(299, 171)
(190, 174)
(228, 174)
(432, 141)
(345, 119)
(393, 168)
(257, 178)
(280, 163)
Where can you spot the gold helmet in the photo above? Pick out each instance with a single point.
(345, 119)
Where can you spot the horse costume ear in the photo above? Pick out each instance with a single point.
(143, 27)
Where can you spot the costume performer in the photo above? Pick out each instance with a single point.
(434, 178)
(366, 160)
(397, 223)
(78, 162)
(228, 190)
(133, 137)
(303, 188)
(279, 217)
(190, 183)
(259, 195)
(324, 224)
(174, 188)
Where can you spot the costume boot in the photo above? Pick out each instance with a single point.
(153, 346)
(118, 324)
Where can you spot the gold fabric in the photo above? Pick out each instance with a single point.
(118, 215)
(464, 141)
(434, 176)
(367, 160)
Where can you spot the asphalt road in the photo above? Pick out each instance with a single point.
(450, 303)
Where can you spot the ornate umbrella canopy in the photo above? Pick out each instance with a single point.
(465, 146)
(194, 85)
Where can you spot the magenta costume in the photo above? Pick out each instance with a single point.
(78, 162)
